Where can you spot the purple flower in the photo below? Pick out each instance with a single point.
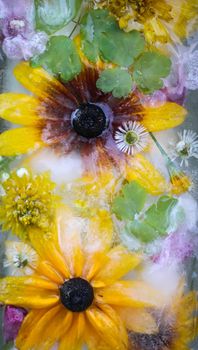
(13, 318)
(17, 28)
(184, 72)
(177, 247)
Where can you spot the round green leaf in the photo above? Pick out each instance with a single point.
(117, 81)
(52, 15)
(60, 58)
(101, 30)
(149, 69)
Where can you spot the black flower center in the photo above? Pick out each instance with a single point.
(89, 120)
(76, 294)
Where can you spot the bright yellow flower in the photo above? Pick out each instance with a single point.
(160, 20)
(180, 183)
(28, 201)
(177, 326)
(76, 294)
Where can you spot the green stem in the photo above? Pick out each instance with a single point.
(170, 164)
(76, 25)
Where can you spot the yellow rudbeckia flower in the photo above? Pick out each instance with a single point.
(161, 21)
(77, 295)
(77, 116)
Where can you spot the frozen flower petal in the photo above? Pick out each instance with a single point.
(13, 318)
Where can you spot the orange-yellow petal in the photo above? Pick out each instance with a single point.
(19, 109)
(28, 292)
(131, 294)
(73, 338)
(69, 235)
(41, 83)
(167, 116)
(108, 327)
(141, 170)
(28, 323)
(18, 141)
(47, 330)
(44, 268)
(48, 250)
(120, 262)
(137, 320)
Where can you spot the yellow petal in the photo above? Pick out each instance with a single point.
(97, 242)
(108, 326)
(142, 171)
(19, 141)
(44, 268)
(30, 292)
(167, 116)
(137, 320)
(28, 323)
(41, 83)
(69, 234)
(120, 262)
(72, 340)
(129, 293)
(47, 330)
(46, 247)
(19, 109)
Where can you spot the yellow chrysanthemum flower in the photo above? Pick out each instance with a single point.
(178, 326)
(180, 183)
(28, 201)
(76, 295)
(161, 21)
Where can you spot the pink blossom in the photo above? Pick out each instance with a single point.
(12, 320)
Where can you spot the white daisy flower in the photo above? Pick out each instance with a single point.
(131, 138)
(186, 147)
(20, 258)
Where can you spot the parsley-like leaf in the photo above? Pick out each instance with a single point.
(101, 31)
(155, 222)
(130, 202)
(60, 58)
(117, 81)
(149, 69)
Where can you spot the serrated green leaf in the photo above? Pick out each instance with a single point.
(155, 222)
(130, 202)
(116, 80)
(158, 215)
(142, 231)
(52, 15)
(149, 69)
(68, 64)
(110, 43)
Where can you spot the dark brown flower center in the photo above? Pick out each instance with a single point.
(89, 120)
(76, 294)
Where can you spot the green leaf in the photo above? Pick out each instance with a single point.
(52, 15)
(120, 47)
(155, 222)
(130, 202)
(5, 164)
(8, 346)
(116, 80)
(101, 31)
(158, 215)
(60, 58)
(149, 69)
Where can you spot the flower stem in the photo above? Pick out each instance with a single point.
(169, 163)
